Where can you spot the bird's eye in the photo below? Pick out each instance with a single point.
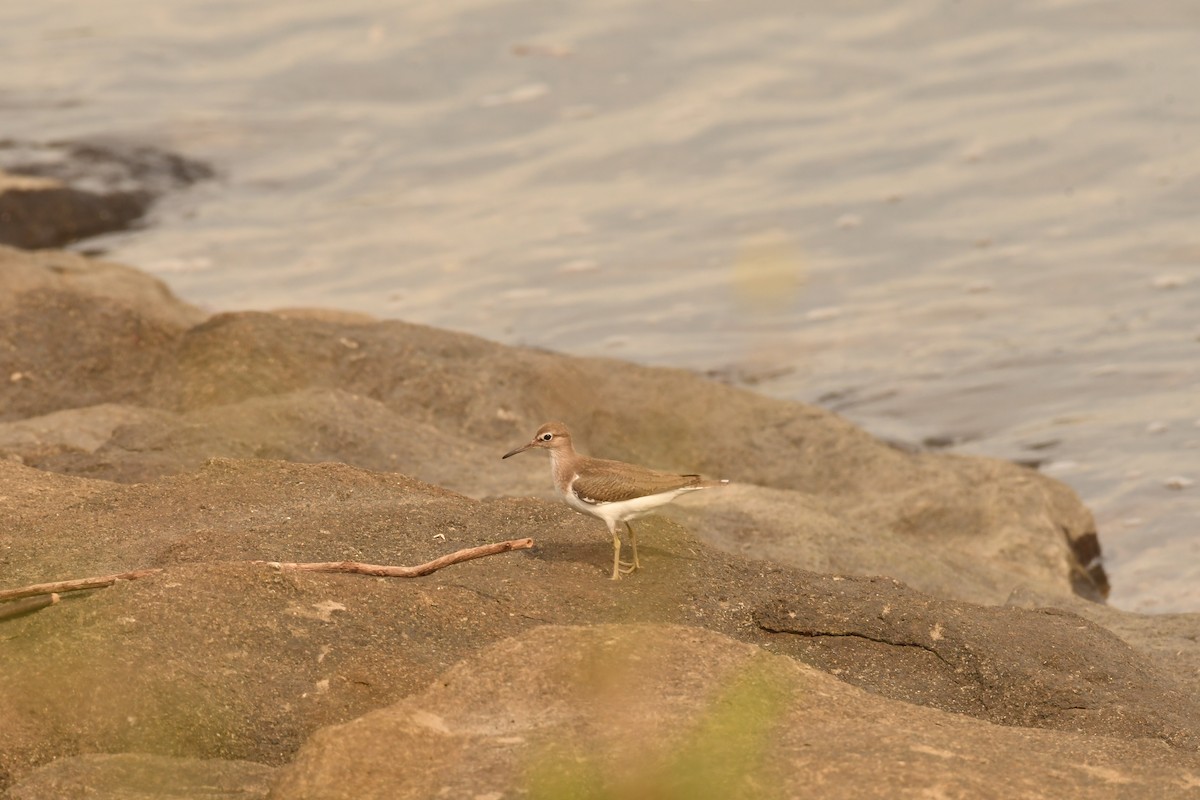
(547, 437)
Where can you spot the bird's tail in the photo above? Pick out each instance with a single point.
(704, 483)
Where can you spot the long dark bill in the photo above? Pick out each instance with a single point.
(520, 449)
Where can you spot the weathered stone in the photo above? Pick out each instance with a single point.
(55, 194)
(649, 711)
(434, 404)
(106, 377)
(176, 663)
(136, 776)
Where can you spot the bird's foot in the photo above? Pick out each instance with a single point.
(622, 568)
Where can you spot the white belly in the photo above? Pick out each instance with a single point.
(623, 510)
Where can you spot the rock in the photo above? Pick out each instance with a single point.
(176, 663)
(116, 287)
(135, 431)
(76, 332)
(74, 430)
(54, 194)
(1041, 668)
(664, 711)
(135, 776)
(443, 406)
(54, 215)
(309, 425)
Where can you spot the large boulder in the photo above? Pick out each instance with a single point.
(816, 491)
(76, 332)
(52, 194)
(218, 656)
(668, 712)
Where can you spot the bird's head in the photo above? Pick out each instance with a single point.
(551, 436)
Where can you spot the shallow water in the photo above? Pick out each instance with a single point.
(966, 223)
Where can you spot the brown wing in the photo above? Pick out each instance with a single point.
(610, 481)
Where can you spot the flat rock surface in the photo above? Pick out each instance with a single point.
(661, 711)
(136, 776)
(137, 432)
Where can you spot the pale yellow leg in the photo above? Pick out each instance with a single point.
(621, 567)
(633, 543)
(616, 576)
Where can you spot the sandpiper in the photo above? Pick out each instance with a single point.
(611, 490)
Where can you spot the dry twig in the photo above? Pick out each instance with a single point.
(320, 566)
(27, 606)
(76, 585)
(381, 571)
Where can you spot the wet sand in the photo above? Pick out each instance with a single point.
(965, 225)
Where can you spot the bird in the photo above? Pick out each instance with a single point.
(613, 491)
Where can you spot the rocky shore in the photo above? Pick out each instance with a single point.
(849, 618)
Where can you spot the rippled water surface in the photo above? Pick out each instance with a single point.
(970, 224)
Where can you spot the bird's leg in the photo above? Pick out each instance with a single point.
(618, 564)
(633, 543)
(616, 576)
